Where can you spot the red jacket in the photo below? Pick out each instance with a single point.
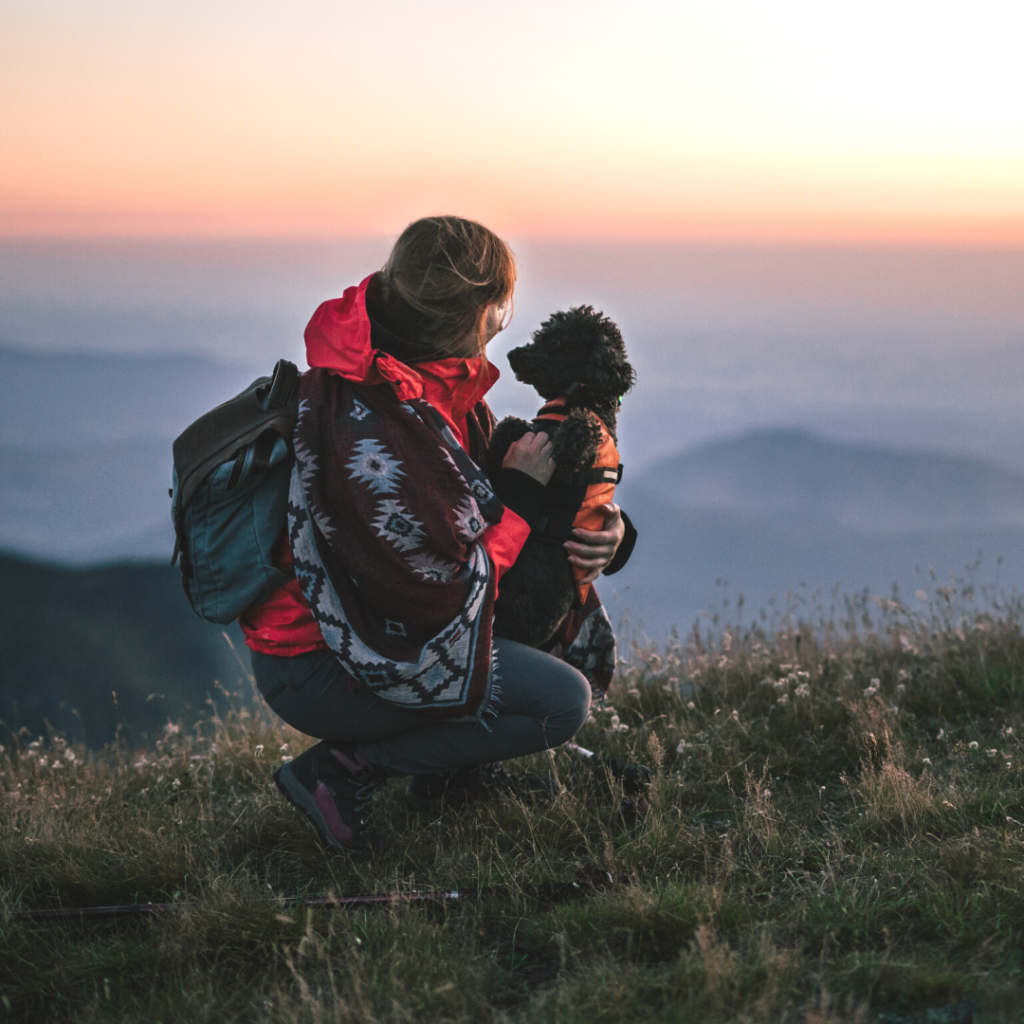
(338, 339)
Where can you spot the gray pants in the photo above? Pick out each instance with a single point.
(543, 702)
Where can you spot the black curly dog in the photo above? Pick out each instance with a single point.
(578, 354)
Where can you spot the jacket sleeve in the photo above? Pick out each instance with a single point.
(504, 540)
(625, 548)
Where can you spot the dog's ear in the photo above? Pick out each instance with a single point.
(608, 372)
(610, 377)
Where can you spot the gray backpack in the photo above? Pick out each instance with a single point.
(231, 472)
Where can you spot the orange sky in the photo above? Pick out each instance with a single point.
(660, 119)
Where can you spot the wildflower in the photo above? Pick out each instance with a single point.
(259, 749)
(57, 764)
(901, 688)
(43, 763)
(803, 690)
(992, 752)
(873, 687)
(927, 761)
(176, 784)
(692, 706)
(973, 745)
(942, 732)
(69, 755)
(682, 746)
(1009, 730)
(783, 700)
(283, 748)
(634, 692)
(617, 725)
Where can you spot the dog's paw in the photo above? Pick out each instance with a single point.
(576, 441)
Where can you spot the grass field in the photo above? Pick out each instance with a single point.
(836, 833)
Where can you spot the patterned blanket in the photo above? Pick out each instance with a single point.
(385, 513)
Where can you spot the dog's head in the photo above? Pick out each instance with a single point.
(580, 346)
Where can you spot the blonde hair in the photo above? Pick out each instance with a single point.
(442, 276)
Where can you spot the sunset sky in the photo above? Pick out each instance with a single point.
(668, 119)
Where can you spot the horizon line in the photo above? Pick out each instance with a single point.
(610, 239)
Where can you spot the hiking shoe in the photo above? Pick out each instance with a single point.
(480, 782)
(333, 788)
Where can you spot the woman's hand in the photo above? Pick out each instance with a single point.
(531, 454)
(594, 549)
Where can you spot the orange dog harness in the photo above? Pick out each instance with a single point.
(574, 500)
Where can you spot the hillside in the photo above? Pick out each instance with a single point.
(71, 639)
(835, 835)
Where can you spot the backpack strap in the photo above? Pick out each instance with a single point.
(269, 403)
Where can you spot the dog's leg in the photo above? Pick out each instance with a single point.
(575, 443)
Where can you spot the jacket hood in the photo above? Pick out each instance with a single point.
(339, 339)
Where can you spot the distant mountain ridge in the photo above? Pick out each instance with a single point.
(797, 481)
(62, 398)
(85, 449)
(782, 510)
(85, 463)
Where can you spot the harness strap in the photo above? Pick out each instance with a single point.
(586, 477)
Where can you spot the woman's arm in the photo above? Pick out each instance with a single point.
(520, 485)
(593, 550)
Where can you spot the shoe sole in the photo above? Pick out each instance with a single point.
(300, 797)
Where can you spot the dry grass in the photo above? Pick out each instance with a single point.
(836, 834)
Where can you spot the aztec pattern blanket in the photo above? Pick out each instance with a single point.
(405, 599)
